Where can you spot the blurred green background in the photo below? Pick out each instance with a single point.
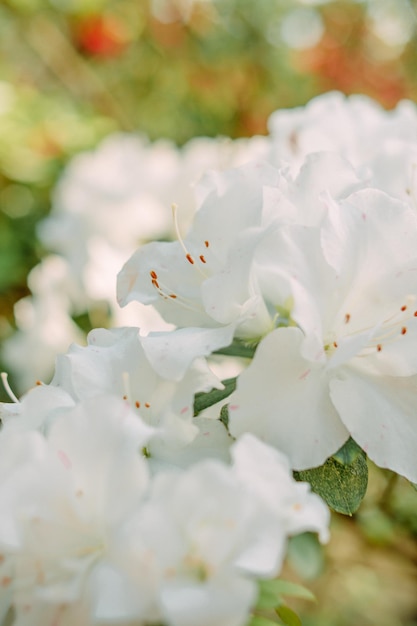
(73, 71)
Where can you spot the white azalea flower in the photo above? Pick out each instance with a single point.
(355, 127)
(217, 284)
(351, 366)
(63, 500)
(221, 533)
(88, 537)
(179, 278)
(114, 361)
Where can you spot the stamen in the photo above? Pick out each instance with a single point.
(126, 386)
(180, 239)
(165, 292)
(8, 389)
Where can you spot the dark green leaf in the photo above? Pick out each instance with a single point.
(288, 616)
(224, 415)
(343, 487)
(348, 452)
(237, 348)
(204, 400)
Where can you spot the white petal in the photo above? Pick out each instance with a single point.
(172, 353)
(284, 400)
(380, 414)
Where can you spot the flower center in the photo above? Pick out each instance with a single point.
(391, 329)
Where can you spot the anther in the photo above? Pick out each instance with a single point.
(403, 330)
(415, 313)
(125, 397)
(172, 295)
(189, 258)
(153, 274)
(155, 283)
(404, 308)
(347, 318)
(206, 243)
(379, 347)
(38, 383)
(147, 405)
(335, 344)
(202, 259)
(137, 404)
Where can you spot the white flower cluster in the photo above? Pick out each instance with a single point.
(117, 505)
(119, 196)
(117, 508)
(315, 265)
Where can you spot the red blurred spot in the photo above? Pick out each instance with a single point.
(101, 35)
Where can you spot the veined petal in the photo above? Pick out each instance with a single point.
(281, 395)
(380, 414)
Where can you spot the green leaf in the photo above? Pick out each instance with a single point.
(224, 415)
(348, 453)
(288, 616)
(305, 555)
(270, 592)
(258, 620)
(237, 348)
(287, 588)
(204, 400)
(343, 487)
(9, 618)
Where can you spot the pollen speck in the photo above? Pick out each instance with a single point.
(124, 397)
(202, 259)
(147, 405)
(347, 318)
(38, 382)
(335, 344)
(189, 258)
(206, 243)
(403, 330)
